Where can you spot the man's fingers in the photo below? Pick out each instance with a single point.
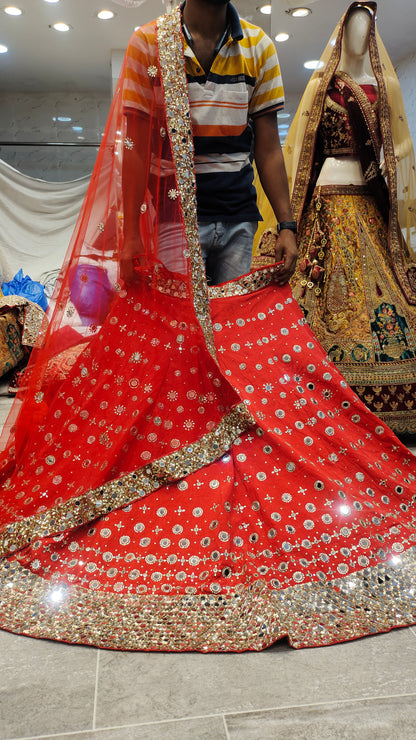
(287, 269)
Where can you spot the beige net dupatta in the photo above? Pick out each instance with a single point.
(397, 151)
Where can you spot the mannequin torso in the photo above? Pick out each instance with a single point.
(346, 170)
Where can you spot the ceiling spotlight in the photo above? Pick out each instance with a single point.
(283, 115)
(51, 1)
(314, 64)
(266, 9)
(130, 3)
(62, 27)
(299, 12)
(105, 15)
(3, 49)
(12, 10)
(281, 37)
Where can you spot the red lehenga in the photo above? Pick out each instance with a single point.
(184, 469)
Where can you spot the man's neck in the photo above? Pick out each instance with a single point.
(205, 19)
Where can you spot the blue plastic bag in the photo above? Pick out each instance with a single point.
(24, 286)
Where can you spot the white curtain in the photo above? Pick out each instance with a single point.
(36, 222)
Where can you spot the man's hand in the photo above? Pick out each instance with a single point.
(286, 251)
(132, 252)
(271, 168)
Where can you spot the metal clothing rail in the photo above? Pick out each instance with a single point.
(50, 143)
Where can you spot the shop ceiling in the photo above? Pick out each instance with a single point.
(41, 59)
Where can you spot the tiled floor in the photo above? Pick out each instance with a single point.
(363, 690)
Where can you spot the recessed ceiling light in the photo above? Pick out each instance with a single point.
(266, 9)
(62, 27)
(314, 64)
(283, 115)
(105, 15)
(281, 37)
(299, 12)
(64, 119)
(51, 1)
(12, 10)
(3, 49)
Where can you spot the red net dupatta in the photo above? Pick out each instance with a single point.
(123, 392)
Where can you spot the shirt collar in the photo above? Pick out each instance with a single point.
(236, 31)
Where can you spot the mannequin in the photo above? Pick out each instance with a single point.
(351, 171)
(354, 61)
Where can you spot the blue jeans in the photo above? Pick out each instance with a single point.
(226, 249)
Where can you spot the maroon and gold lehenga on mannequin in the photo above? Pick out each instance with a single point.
(355, 277)
(184, 469)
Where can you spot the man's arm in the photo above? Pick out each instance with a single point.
(270, 165)
(133, 186)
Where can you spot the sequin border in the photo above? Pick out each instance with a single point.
(172, 65)
(251, 617)
(100, 501)
(246, 284)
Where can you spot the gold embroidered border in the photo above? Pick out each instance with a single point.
(397, 372)
(368, 110)
(251, 617)
(175, 90)
(401, 422)
(119, 492)
(341, 109)
(306, 156)
(324, 190)
(246, 284)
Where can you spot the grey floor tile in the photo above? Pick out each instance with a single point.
(152, 687)
(382, 719)
(203, 728)
(45, 687)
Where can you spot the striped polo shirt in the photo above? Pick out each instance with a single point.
(244, 82)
